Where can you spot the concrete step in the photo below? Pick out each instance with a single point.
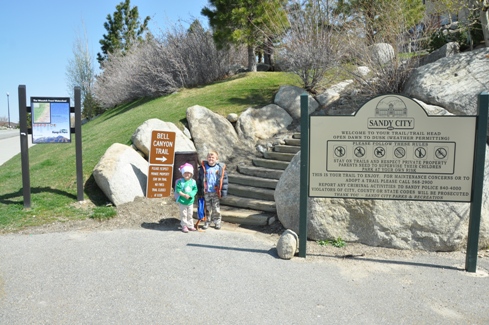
(278, 155)
(248, 203)
(251, 192)
(243, 216)
(293, 142)
(268, 163)
(296, 136)
(260, 172)
(252, 181)
(287, 149)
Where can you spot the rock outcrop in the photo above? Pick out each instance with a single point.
(289, 98)
(453, 83)
(141, 138)
(433, 226)
(261, 124)
(121, 174)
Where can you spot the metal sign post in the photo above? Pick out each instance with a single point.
(78, 149)
(478, 182)
(304, 174)
(25, 131)
(24, 147)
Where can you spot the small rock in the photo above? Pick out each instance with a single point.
(287, 244)
(232, 117)
(261, 149)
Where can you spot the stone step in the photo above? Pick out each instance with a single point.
(278, 155)
(268, 163)
(287, 149)
(260, 172)
(296, 136)
(293, 142)
(252, 181)
(247, 203)
(251, 192)
(243, 216)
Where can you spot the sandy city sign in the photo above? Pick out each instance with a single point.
(391, 149)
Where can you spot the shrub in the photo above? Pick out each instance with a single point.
(160, 66)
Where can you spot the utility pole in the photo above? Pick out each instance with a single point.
(8, 107)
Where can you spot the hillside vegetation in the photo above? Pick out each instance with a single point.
(53, 169)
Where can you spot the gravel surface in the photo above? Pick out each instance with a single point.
(162, 214)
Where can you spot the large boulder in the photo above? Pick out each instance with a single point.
(261, 124)
(121, 174)
(432, 226)
(453, 83)
(446, 50)
(333, 93)
(289, 98)
(211, 131)
(141, 138)
(381, 53)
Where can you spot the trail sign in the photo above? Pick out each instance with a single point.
(392, 150)
(161, 159)
(162, 148)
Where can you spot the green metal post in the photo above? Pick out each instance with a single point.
(24, 147)
(304, 183)
(477, 184)
(78, 148)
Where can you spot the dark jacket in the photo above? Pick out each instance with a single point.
(222, 180)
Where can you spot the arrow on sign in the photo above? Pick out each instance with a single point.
(162, 159)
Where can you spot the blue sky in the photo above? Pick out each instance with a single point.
(37, 37)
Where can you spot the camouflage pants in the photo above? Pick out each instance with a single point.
(213, 208)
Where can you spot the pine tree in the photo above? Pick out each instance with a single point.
(248, 22)
(123, 29)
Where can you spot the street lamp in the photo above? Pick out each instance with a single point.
(8, 107)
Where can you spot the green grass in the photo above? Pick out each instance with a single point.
(338, 242)
(52, 166)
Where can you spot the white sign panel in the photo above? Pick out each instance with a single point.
(391, 149)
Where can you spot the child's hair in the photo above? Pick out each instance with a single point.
(214, 152)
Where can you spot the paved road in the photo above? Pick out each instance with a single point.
(144, 276)
(10, 144)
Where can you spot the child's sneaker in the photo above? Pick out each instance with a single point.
(185, 229)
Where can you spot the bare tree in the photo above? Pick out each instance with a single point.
(390, 69)
(80, 71)
(312, 45)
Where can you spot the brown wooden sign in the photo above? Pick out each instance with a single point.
(161, 159)
(159, 181)
(162, 150)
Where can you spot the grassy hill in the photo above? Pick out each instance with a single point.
(52, 166)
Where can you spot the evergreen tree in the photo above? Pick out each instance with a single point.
(246, 22)
(123, 29)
